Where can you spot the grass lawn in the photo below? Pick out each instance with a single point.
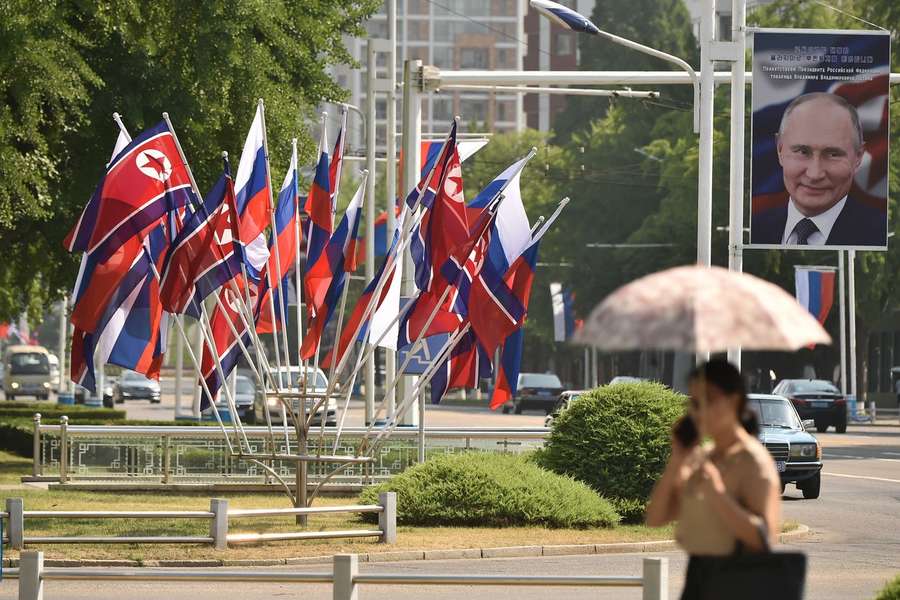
(411, 538)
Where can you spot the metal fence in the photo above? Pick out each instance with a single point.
(345, 578)
(218, 516)
(194, 454)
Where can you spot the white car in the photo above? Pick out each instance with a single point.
(290, 378)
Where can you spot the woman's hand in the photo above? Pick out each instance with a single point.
(712, 479)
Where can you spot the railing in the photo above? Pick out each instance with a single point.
(345, 578)
(218, 515)
(195, 454)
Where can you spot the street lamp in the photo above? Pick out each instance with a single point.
(568, 18)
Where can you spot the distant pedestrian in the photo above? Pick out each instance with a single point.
(724, 495)
(897, 391)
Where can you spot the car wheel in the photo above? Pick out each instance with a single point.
(518, 409)
(812, 487)
(43, 397)
(11, 397)
(841, 427)
(821, 427)
(505, 410)
(155, 401)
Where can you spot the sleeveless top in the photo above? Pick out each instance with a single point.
(747, 472)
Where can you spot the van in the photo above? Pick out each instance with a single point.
(27, 372)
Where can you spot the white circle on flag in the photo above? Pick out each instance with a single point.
(154, 164)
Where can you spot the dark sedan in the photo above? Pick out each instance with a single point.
(797, 454)
(134, 386)
(535, 390)
(818, 400)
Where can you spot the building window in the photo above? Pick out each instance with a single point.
(506, 110)
(442, 109)
(380, 108)
(473, 58)
(443, 56)
(563, 44)
(473, 110)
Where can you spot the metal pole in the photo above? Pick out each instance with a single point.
(179, 366)
(390, 171)
(587, 367)
(842, 299)
(851, 275)
(412, 140)
(198, 353)
(705, 174)
(736, 192)
(63, 321)
(370, 213)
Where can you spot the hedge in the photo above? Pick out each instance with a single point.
(491, 490)
(891, 591)
(615, 439)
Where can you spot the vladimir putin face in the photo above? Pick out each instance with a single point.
(820, 150)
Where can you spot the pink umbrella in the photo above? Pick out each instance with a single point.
(700, 309)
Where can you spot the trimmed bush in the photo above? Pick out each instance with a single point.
(50, 412)
(491, 490)
(616, 440)
(891, 591)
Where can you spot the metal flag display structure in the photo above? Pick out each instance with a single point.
(156, 254)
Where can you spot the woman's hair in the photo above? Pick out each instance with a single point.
(728, 379)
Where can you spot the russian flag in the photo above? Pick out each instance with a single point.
(146, 180)
(327, 276)
(562, 301)
(252, 194)
(131, 330)
(318, 207)
(815, 290)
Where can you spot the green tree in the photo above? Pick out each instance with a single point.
(65, 68)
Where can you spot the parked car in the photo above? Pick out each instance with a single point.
(797, 453)
(626, 379)
(562, 403)
(134, 386)
(82, 394)
(818, 400)
(291, 378)
(244, 398)
(27, 372)
(535, 390)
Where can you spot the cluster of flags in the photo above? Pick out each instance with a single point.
(154, 248)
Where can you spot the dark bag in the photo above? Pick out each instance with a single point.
(744, 576)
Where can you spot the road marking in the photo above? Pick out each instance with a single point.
(892, 453)
(832, 455)
(863, 477)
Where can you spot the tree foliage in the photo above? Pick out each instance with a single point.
(66, 67)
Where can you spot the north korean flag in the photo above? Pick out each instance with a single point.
(142, 184)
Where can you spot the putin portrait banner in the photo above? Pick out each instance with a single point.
(820, 139)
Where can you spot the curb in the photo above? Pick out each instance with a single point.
(373, 557)
(802, 532)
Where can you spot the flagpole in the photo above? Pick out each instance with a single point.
(421, 382)
(390, 265)
(196, 189)
(297, 278)
(280, 275)
(843, 320)
(340, 167)
(340, 323)
(197, 365)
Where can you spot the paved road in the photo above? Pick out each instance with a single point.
(435, 416)
(854, 548)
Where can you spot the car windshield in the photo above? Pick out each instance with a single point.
(29, 363)
(774, 412)
(132, 377)
(539, 380)
(245, 386)
(319, 380)
(806, 387)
